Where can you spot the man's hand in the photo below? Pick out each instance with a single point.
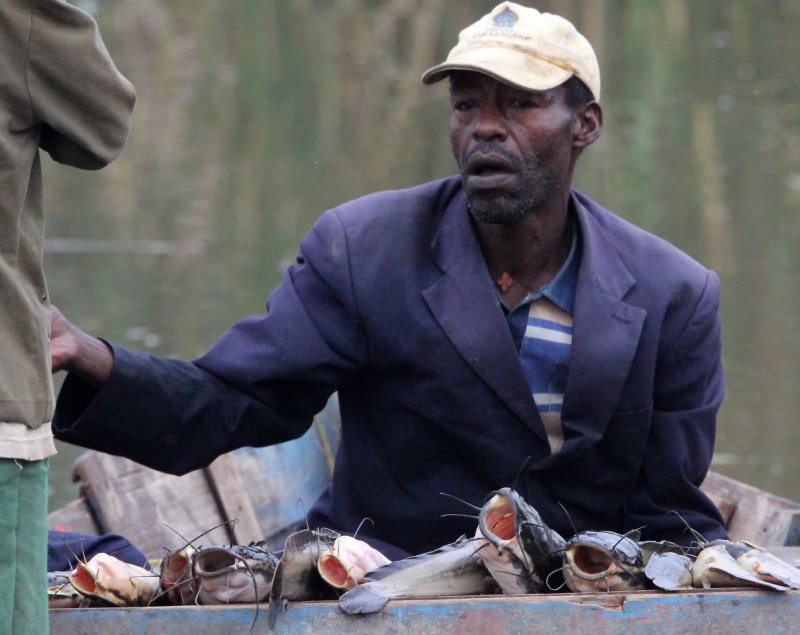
(77, 352)
(63, 347)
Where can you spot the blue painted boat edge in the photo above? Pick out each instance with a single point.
(702, 611)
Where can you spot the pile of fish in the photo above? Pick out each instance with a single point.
(513, 552)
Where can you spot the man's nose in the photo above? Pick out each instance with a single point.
(491, 123)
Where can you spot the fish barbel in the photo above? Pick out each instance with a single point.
(522, 550)
(455, 569)
(345, 563)
(107, 578)
(603, 561)
(233, 574)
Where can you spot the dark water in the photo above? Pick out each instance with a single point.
(255, 116)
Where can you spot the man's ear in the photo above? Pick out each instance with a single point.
(588, 124)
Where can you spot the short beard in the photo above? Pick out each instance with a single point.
(537, 185)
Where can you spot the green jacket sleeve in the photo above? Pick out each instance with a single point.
(84, 103)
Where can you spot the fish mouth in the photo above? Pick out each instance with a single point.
(335, 572)
(498, 519)
(609, 561)
(590, 562)
(213, 562)
(83, 580)
(175, 566)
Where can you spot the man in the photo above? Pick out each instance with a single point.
(487, 330)
(62, 93)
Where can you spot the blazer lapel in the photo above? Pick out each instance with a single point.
(467, 308)
(605, 338)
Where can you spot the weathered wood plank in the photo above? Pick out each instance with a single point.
(707, 611)
(233, 501)
(752, 514)
(157, 511)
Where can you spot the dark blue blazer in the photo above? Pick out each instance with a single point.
(390, 303)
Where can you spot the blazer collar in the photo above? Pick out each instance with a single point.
(606, 334)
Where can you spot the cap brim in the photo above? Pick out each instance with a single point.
(503, 64)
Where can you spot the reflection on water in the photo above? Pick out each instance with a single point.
(255, 116)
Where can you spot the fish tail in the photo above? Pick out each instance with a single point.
(363, 599)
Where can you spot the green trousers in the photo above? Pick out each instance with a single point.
(23, 547)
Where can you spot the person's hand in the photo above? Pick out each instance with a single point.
(77, 352)
(63, 347)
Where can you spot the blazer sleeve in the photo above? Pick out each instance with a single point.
(689, 390)
(261, 383)
(83, 103)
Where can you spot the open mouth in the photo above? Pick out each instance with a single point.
(481, 164)
(487, 171)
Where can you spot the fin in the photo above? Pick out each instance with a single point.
(275, 596)
(742, 574)
(363, 599)
(670, 571)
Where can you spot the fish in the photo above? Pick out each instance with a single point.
(233, 574)
(60, 592)
(768, 567)
(107, 578)
(176, 579)
(604, 561)
(452, 570)
(658, 547)
(716, 567)
(345, 563)
(670, 571)
(296, 577)
(523, 551)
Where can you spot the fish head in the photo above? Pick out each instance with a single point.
(511, 524)
(344, 564)
(176, 577)
(768, 567)
(233, 574)
(107, 578)
(215, 561)
(498, 518)
(176, 566)
(603, 560)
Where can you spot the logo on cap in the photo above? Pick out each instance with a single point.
(506, 19)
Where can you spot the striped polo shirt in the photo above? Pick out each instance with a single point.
(542, 329)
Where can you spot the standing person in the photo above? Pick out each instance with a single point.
(495, 328)
(62, 93)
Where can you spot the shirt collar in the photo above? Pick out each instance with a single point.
(561, 289)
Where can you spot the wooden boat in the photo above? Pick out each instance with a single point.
(706, 611)
(153, 510)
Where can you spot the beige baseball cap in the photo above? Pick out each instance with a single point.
(522, 47)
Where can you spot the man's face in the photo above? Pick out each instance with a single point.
(513, 147)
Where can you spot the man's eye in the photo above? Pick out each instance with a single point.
(463, 105)
(524, 102)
